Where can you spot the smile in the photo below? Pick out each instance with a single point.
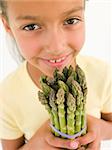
(57, 60)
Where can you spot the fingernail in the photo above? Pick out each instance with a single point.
(74, 145)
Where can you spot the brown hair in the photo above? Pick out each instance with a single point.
(3, 8)
(15, 53)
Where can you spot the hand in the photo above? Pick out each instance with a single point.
(93, 136)
(38, 141)
(44, 139)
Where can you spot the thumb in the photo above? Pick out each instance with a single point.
(86, 139)
(60, 142)
(95, 145)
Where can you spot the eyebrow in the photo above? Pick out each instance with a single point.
(29, 17)
(73, 10)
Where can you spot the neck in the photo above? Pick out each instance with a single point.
(35, 74)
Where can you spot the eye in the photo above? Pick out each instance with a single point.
(71, 21)
(31, 27)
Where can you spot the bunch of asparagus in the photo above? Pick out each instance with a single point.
(64, 97)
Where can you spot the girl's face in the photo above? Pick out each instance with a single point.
(49, 33)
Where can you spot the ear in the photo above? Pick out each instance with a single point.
(6, 26)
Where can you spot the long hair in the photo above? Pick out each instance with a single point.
(9, 43)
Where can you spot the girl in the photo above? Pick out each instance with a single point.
(49, 34)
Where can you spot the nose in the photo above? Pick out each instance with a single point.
(55, 42)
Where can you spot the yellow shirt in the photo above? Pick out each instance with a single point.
(22, 113)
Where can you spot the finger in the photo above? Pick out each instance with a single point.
(51, 148)
(56, 149)
(86, 139)
(61, 143)
(95, 145)
(81, 148)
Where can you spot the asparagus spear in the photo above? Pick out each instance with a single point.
(59, 76)
(72, 72)
(63, 86)
(69, 82)
(52, 83)
(83, 84)
(45, 102)
(61, 109)
(65, 72)
(77, 92)
(71, 107)
(52, 102)
(83, 121)
(46, 89)
(82, 81)
(78, 120)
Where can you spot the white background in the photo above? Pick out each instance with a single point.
(98, 40)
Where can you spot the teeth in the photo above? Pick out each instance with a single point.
(52, 61)
(63, 58)
(57, 60)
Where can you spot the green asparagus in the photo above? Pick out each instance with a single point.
(61, 109)
(71, 108)
(54, 110)
(64, 97)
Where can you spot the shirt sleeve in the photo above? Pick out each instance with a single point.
(8, 126)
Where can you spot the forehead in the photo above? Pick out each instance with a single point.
(43, 0)
(48, 3)
(42, 7)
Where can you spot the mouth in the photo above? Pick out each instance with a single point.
(57, 62)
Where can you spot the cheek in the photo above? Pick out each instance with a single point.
(29, 47)
(77, 39)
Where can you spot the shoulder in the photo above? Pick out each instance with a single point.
(93, 65)
(12, 77)
(98, 73)
(92, 61)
